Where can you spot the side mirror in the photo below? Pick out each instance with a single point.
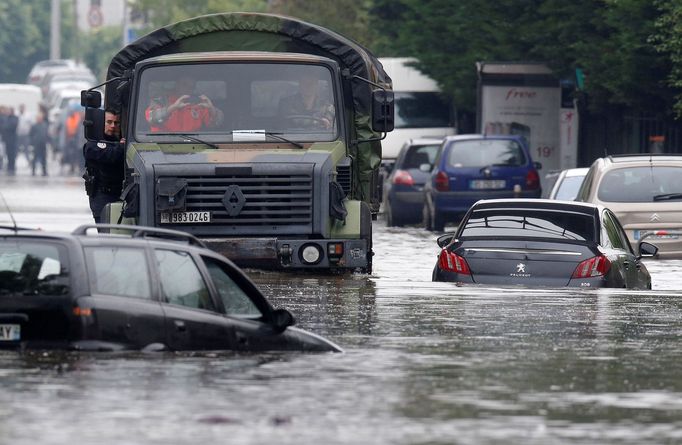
(282, 319)
(93, 124)
(444, 240)
(647, 249)
(537, 165)
(383, 111)
(91, 99)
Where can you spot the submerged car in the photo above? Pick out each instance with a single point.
(470, 167)
(142, 289)
(645, 193)
(540, 242)
(404, 187)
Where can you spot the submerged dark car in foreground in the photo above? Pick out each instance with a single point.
(537, 242)
(144, 288)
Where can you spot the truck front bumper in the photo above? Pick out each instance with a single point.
(273, 253)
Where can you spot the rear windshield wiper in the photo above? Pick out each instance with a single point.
(668, 196)
(190, 136)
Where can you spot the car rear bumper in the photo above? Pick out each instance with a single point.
(506, 280)
(460, 201)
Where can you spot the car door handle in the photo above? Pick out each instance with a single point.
(180, 325)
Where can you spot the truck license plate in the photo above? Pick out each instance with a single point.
(10, 332)
(481, 184)
(185, 217)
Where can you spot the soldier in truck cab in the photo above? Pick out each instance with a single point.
(182, 110)
(308, 107)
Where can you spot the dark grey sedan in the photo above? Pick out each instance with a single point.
(537, 242)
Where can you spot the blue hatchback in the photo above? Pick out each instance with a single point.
(473, 167)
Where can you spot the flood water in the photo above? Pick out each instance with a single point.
(424, 363)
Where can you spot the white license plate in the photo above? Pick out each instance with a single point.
(185, 217)
(480, 184)
(637, 234)
(10, 332)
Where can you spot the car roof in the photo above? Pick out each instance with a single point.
(571, 172)
(478, 136)
(85, 235)
(644, 159)
(424, 141)
(537, 204)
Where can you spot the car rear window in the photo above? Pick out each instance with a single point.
(486, 152)
(557, 225)
(640, 184)
(417, 155)
(33, 268)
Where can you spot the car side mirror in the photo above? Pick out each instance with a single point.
(444, 240)
(537, 165)
(282, 319)
(647, 250)
(91, 99)
(383, 111)
(93, 124)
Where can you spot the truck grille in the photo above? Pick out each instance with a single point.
(269, 199)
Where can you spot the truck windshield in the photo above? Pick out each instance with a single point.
(236, 102)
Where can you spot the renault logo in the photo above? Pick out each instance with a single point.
(655, 218)
(233, 200)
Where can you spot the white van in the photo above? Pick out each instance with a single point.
(421, 109)
(15, 94)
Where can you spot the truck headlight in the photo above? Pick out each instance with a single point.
(311, 253)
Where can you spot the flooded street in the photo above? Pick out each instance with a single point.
(424, 362)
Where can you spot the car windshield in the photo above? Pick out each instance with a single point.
(422, 110)
(237, 102)
(32, 268)
(486, 152)
(639, 184)
(559, 225)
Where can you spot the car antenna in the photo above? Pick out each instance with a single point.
(9, 211)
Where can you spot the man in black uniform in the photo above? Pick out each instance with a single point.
(104, 166)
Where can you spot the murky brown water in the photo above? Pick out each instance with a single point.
(424, 363)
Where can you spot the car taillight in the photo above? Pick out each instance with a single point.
(403, 177)
(532, 180)
(451, 262)
(441, 182)
(592, 267)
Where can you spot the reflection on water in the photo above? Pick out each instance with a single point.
(425, 363)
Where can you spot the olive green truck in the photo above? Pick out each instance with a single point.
(265, 189)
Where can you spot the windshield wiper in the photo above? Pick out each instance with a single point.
(279, 137)
(668, 196)
(190, 136)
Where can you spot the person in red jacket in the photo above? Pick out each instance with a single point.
(182, 111)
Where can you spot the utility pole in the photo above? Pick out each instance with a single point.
(55, 32)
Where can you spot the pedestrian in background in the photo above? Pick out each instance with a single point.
(104, 166)
(9, 137)
(38, 137)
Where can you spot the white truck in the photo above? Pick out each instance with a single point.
(421, 108)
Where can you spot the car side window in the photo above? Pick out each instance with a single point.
(586, 186)
(612, 233)
(621, 233)
(181, 281)
(235, 300)
(118, 271)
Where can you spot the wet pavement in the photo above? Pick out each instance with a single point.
(424, 362)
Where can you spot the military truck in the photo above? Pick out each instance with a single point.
(264, 189)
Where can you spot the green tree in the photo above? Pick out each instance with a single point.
(667, 39)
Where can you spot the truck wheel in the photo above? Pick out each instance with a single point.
(391, 219)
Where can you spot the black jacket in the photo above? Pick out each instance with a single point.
(105, 161)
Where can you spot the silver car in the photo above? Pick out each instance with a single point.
(645, 193)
